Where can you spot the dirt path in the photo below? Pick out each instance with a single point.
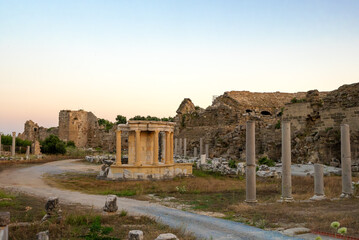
(29, 180)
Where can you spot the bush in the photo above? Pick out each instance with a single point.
(70, 144)
(7, 140)
(53, 145)
(106, 123)
(266, 161)
(277, 125)
(152, 118)
(232, 163)
(121, 119)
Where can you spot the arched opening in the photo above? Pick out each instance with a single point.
(266, 113)
(248, 111)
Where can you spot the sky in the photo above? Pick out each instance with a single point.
(134, 57)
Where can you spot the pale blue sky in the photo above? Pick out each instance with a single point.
(144, 57)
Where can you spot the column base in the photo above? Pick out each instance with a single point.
(285, 199)
(251, 201)
(318, 198)
(346, 195)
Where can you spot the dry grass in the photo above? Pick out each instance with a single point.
(210, 192)
(76, 221)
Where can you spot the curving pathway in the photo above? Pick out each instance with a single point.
(29, 180)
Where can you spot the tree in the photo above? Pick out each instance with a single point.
(121, 119)
(53, 145)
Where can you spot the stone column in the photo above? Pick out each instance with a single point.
(318, 183)
(200, 146)
(27, 152)
(0, 143)
(185, 147)
(168, 148)
(163, 147)
(195, 153)
(4, 222)
(207, 151)
(118, 148)
(176, 146)
(180, 146)
(138, 161)
(13, 144)
(155, 146)
(286, 163)
(347, 190)
(171, 148)
(251, 163)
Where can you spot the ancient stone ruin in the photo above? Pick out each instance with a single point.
(150, 152)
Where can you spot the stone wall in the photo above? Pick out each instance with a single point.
(79, 126)
(315, 117)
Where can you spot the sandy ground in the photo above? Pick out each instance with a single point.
(29, 180)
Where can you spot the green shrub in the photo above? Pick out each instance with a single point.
(152, 118)
(7, 140)
(53, 145)
(232, 163)
(106, 123)
(121, 119)
(277, 125)
(98, 232)
(266, 161)
(70, 144)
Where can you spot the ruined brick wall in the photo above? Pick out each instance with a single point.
(33, 132)
(315, 118)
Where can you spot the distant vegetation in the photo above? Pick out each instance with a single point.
(53, 145)
(7, 140)
(295, 100)
(152, 118)
(121, 119)
(106, 123)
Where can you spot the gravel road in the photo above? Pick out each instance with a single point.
(29, 180)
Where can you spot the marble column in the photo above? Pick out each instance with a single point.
(185, 147)
(180, 146)
(168, 148)
(286, 163)
(163, 147)
(138, 161)
(347, 190)
(250, 163)
(27, 152)
(118, 148)
(156, 148)
(171, 148)
(13, 144)
(207, 151)
(0, 143)
(318, 182)
(176, 146)
(200, 146)
(195, 153)
(4, 228)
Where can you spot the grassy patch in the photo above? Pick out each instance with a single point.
(212, 192)
(77, 221)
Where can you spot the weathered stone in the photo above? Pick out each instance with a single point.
(13, 144)
(110, 204)
(4, 218)
(52, 208)
(250, 163)
(347, 190)
(135, 235)
(167, 236)
(318, 183)
(43, 235)
(286, 163)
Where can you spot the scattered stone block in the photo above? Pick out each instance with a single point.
(110, 204)
(43, 235)
(167, 236)
(296, 231)
(135, 235)
(52, 208)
